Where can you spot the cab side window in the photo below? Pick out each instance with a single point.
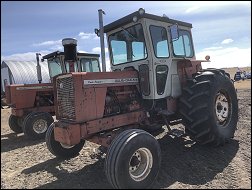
(54, 67)
(89, 65)
(182, 47)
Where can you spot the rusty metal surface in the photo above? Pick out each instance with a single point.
(67, 133)
(91, 105)
(100, 94)
(22, 112)
(106, 138)
(23, 96)
(71, 133)
(87, 101)
(113, 122)
(8, 94)
(187, 68)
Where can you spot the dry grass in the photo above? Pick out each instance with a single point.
(246, 84)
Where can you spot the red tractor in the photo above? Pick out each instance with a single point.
(32, 105)
(155, 81)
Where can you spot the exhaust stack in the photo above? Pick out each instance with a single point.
(101, 33)
(38, 68)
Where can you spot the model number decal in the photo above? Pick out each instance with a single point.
(110, 81)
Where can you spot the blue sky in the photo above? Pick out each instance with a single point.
(220, 29)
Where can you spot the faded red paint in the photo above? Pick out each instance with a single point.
(91, 98)
(8, 94)
(92, 102)
(22, 112)
(113, 122)
(187, 68)
(23, 100)
(105, 139)
(90, 122)
(71, 134)
(67, 133)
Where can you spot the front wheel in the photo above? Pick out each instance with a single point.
(133, 160)
(61, 150)
(36, 123)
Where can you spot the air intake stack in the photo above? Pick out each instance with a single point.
(70, 52)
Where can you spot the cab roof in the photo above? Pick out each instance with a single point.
(128, 19)
(53, 54)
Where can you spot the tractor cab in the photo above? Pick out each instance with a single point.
(152, 45)
(86, 62)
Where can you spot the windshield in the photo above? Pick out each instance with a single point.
(54, 67)
(89, 65)
(128, 45)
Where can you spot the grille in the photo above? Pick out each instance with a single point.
(65, 97)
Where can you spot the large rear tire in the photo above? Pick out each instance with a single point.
(133, 160)
(60, 150)
(209, 108)
(36, 124)
(16, 123)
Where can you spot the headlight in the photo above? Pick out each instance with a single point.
(135, 19)
(141, 11)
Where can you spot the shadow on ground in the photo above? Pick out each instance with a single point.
(181, 161)
(192, 164)
(14, 141)
(91, 176)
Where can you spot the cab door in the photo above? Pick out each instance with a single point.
(161, 57)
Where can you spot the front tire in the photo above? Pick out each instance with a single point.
(133, 160)
(36, 124)
(60, 150)
(209, 108)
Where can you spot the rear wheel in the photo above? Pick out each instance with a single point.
(133, 160)
(16, 123)
(59, 149)
(36, 124)
(209, 108)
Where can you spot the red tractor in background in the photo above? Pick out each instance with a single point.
(32, 105)
(155, 81)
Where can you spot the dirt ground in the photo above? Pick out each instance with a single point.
(29, 164)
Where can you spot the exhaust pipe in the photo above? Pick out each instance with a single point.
(101, 33)
(70, 52)
(38, 68)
